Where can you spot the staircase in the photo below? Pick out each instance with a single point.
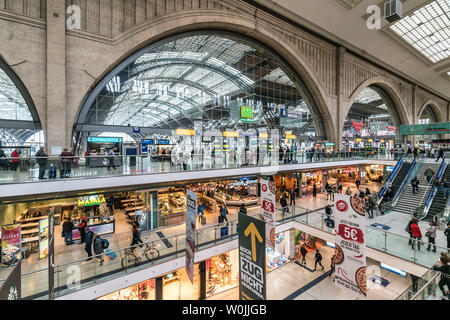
(439, 202)
(408, 201)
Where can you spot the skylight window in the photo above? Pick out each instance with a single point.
(427, 30)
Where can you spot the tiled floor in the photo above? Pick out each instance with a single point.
(286, 281)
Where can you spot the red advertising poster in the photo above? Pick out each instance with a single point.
(11, 238)
(268, 191)
(350, 249)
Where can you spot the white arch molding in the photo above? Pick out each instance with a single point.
(434, 106)
(179, 23)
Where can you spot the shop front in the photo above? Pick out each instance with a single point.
(283, 251)
(98, 148)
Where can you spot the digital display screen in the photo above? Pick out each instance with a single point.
(163, 141)
(147, 141)
(91, 200)
(104, 140)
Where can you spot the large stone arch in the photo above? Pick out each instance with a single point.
(434, 106)
(135, 39)
(387, 86)
(18, 83)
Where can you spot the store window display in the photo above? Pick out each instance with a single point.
(304, 239)
(177, 286)
(222, 273)
(282, 252)
(141, 291)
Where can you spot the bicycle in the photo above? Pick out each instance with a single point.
(133, 256)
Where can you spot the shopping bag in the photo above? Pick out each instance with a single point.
(110, 254)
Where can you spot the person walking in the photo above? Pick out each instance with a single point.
(367, 192)
(111, 154)
(88, 241)
(330, 194)
(292, 197)
(99, 248)
(447, 234)
(358, 183)
(339, 187)
(318, 260)
(304, 252)
(15, 155)
(328, 211)
(370, 206)
(136, 235)
(66, 163)
(314, 189)
(446, 186)
(332, 266)
(111, 201)
(348, 191)
(416, 233)
(41, 159)
(200, 211)
(67, 230)
(431, 234)
(284, 205)
(415, 280)
(82, 228)
(415, 185)
(224, 212)
(429, 173)
(3, 160)
(408, 229)
(440, 155)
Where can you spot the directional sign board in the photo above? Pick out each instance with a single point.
(252, 258)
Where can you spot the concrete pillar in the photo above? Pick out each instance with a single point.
(56, 76)
(340, 118)
(415, 109)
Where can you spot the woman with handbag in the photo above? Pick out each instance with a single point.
(431, 234)
(416, 233)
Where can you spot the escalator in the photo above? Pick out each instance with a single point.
(400, 177)
(439, 201)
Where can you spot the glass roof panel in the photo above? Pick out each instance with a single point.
(427, 30)
(12, 104)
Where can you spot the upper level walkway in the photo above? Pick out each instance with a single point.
(146, 170)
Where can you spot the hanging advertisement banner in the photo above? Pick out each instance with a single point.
(51, 253)
(191, 219)
(350, 251)
(252, 258)
(11, 289)
(268, 191)
(43, 238)
(11, 238)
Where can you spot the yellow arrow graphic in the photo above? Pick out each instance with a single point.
(253, 232)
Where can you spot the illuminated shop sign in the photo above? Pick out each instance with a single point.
(289, 136)
(357, 125)
(185, 132)
(389, 169)
(231, 134)
(92, 200)
(163, 141)
(246, 113)
(263, 135)
(393, 269)
(147, 141)
(104, 140)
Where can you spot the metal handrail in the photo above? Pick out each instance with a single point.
(391, 178)
(408, 174)
(425, 286)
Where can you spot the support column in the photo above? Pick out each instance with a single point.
(415, 107)
(202, 270)
(159, 288)
(55, 133)
(340, 118)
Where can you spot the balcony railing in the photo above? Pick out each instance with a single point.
(15, 170)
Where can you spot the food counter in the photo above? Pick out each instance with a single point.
(99, 225)
(235, 200)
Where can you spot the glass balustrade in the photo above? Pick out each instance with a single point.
(28, 169)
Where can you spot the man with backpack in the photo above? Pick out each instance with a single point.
(41, 159)
(88, 243)
(223, 213)
(318, 260)
(99, 246)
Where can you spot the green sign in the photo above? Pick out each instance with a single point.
(424, 129)
(252, 258)
(246, 113)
